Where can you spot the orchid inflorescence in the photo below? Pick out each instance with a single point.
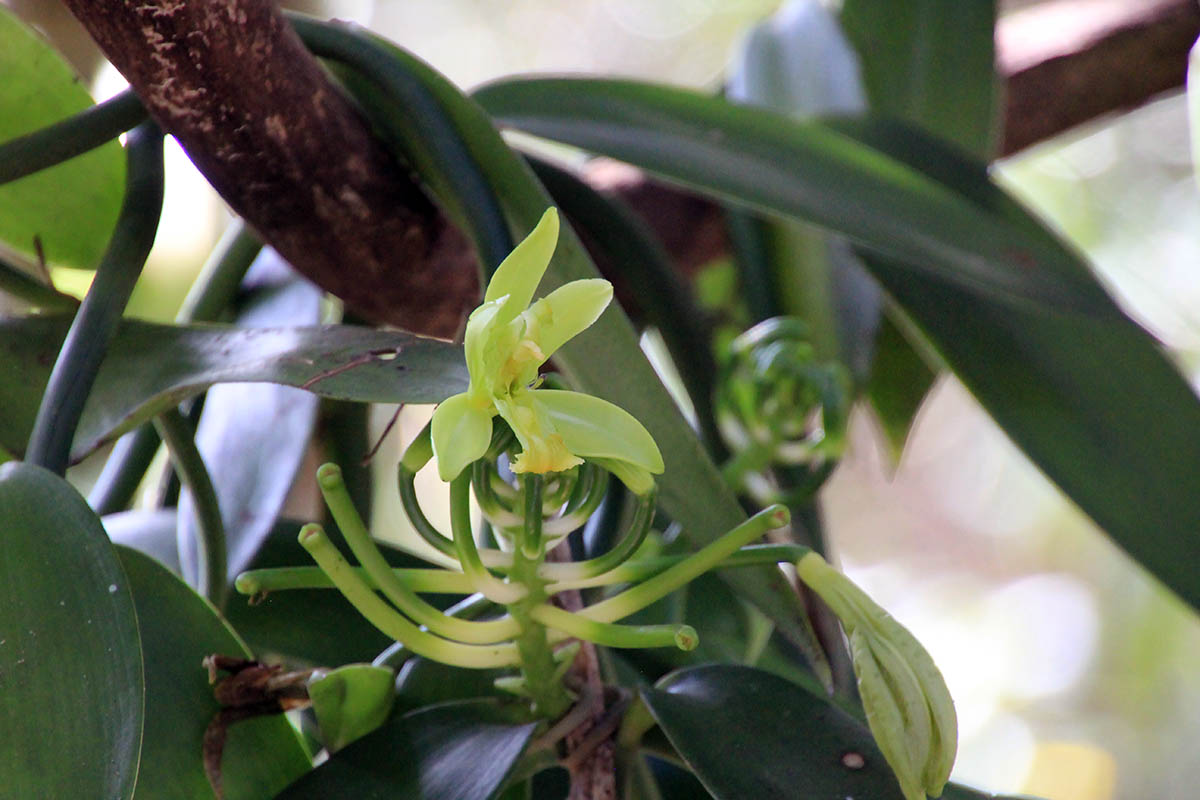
(539, 472)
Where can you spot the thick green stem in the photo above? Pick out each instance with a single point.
(94, 326)
(216, 286)
(406, 482)
(543, 680)
(441, 581)
(531, 541)
(282, 579)
(123, 471)
(625, 547)
(70, 137)
(179, 435)
(634, 571)
(467, 608)
(611, 635)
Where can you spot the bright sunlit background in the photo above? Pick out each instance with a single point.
(1074, 674)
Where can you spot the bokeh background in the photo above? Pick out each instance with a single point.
(1075, 675)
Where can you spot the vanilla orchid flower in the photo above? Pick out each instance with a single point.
(507, 341)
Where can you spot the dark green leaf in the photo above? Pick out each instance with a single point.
(899, 381)
(930, 62)
(749, 734)
(179, 628)
(1094, 403)
(1090, 397)
(253, 465)
(798, 62)
(457, 751)
(152, 367)
(423, 682)
(70, 208)
(807, 169)
(70, 658)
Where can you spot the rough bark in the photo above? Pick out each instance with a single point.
(1071, 61)
(263, 122)
(287, 151)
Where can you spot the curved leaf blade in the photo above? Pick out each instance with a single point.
(748, 733)
(1096, 405)
(70, 656)
(179, 628)
(456, 751)
(152, 367)
(71, 208)
(1090, 397)
(807, 169)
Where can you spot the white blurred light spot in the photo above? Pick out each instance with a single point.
(1045, 628)
(661, 20)
(997, 756)
(963, 465)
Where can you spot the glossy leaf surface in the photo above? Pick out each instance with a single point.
(747, 734)
(457, 751)
(929, 62)
(70, 657)
(750, 734)
(179, 628)
(69, 209)
(151, 367)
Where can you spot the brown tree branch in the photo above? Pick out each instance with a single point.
(1071, 61)
(281, 144)
(270, 131)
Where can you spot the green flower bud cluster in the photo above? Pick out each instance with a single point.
(908, 706)
(777, 406)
